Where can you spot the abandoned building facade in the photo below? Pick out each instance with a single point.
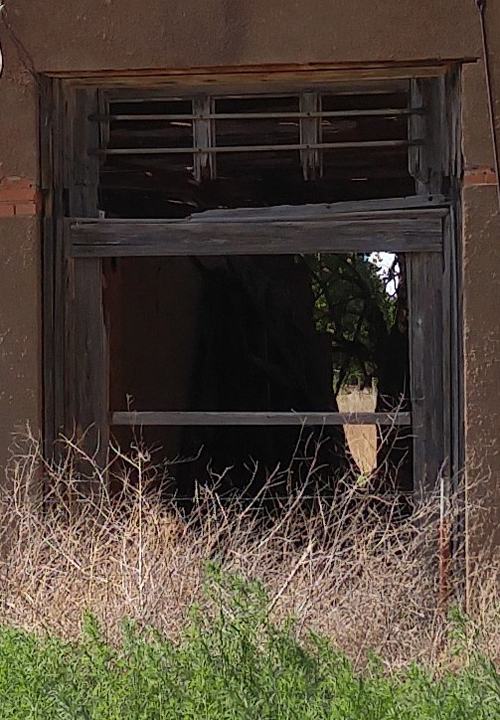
(214, 220)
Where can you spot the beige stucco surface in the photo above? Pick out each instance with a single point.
(75, 36)
(482, 352)
(20, 352)
(116, 34)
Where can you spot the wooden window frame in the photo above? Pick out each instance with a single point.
(417, 233)
(424, 226)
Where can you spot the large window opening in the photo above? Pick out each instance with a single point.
(314, 333)
(243, 267)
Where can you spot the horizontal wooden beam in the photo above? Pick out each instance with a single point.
(343, 233)
(216, 76)
(351, 209)
(261, 84)
(150, 418)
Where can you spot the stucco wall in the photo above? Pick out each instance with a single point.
(75, 36)
(115, 34)
(20, 370)
(481, 288)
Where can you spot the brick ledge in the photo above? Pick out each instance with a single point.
(19, 196)
(479, 176)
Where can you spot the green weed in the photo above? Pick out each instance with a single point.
(231, 662)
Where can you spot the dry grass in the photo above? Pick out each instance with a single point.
(349, 566)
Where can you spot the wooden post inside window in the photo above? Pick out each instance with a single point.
(426, 370)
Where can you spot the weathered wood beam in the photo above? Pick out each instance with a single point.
(150, 418)
(107, 238)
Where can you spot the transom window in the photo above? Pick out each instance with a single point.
(175, 157)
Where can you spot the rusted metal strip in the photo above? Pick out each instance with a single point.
(481, 6)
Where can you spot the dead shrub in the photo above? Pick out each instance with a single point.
(348, 564)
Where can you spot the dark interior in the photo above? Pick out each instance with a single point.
(157, 185)
(254, 333)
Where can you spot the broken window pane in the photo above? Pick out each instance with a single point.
(288, 333)
(256, 333)
(144, 132)
(151, 185)
(311, 148)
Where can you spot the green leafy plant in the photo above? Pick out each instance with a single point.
(231, 661)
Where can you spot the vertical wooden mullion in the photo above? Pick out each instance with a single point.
(452, 137)
(204, 163)
(427, 370)
(436, 165)
(48, 117)
(48, 341)
(103, 125)
(430, 161)
(428, 157)
(53, 152)
(89, 346)
(86, 338)
(416, 133)
(447, 348)
(310, 134)
(453, 170)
